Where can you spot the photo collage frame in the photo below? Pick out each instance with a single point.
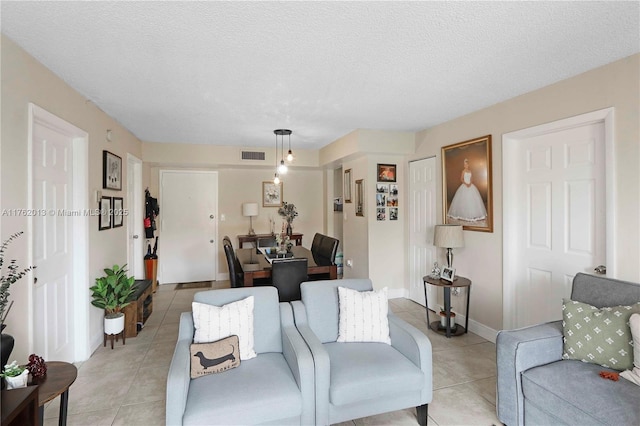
(386, 193)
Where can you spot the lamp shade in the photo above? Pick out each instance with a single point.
(249, 209)
(448, 236)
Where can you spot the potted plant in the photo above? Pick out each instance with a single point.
(112, 293)
(13, 274)
(15, 375)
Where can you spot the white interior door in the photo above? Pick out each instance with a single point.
(188, 226)
(422, 220)
(135, 232)
(52, 162)
(556, 226)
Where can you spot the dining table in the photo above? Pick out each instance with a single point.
(260, 267)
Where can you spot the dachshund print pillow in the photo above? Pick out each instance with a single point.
(214, 357)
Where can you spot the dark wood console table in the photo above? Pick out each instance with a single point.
(457, 330)
(254, 239)
(20, 407)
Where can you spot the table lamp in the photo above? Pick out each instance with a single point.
(449, 237)
(251, 210)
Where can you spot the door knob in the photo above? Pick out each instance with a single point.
(135, 237)
(601, 269)
(210, 216)
(211, 241)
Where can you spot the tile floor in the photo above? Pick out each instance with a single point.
(126, 385)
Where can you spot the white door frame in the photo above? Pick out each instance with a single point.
(510, 142)
(80, 228)
(135, 217)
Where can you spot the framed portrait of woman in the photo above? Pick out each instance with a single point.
(466, 184)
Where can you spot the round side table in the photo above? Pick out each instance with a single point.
(60, 376)
(458, 329)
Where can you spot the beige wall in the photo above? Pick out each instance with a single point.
(25, 80)
(237, 184)
(614, 85)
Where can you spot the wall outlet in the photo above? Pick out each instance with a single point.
(222, 218)
(350, 263)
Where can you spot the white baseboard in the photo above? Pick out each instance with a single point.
(478, 328)
(396, 293)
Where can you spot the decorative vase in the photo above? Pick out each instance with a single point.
(443, 319)
(6, 346)
(289, 229)
(114, 323)
(18, 381)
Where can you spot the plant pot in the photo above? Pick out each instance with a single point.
(17, 382)
(6, 346)
(443, 319)
(114, 323)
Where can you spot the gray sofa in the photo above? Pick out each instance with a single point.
(536, 386)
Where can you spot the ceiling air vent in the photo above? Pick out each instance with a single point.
(252, 155)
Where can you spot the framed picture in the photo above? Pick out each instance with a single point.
(118, 209)
(271, 194)
(104, 219)
(393, 213)
(347, 186)
(360, 197)
(386, 172)
(382, 188)
(466, 184)
(448, 274)
(111, 171)
(381, 214)
(381, 200)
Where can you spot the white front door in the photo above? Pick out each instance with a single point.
(422, 220)
(134, 205)
(555, 224)
(188, 226)
(52, 186)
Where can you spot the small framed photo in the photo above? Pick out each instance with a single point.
(381, 214)
(393, 213)
(104, 219)
(448, 274)
(386, 172)
(271, 194)
(382, 188)
(111, 171)
(118, 209)
(347, 186)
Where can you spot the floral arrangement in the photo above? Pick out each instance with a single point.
(288, 211)
(12, 276)
(37, 366)
(13, 370)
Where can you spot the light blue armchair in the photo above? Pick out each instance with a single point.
(276, 387)
(354, 380)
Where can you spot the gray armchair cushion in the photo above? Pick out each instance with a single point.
(260, 390)
(361, 371)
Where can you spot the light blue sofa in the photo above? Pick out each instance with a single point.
(354, 380)
(276, 387)
(536, 387)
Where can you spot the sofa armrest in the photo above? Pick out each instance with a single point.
(322, 363)
(518, 351)
(414, 345)
(179, 376)
(298, 356)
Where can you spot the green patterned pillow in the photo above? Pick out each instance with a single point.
(599, 336)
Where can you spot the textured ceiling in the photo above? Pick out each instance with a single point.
(228, 73)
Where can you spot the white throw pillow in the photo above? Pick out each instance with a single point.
(363, 316)
(213, 323)
(633, 375)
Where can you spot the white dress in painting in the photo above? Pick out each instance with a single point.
(467, 202)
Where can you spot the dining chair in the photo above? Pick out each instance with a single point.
(236, 275)
(324, 249)
(287, 275)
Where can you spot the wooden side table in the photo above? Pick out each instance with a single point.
(447, 286)
(20, 407)
(60, 376)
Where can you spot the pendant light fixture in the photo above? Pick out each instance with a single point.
(282, 168)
